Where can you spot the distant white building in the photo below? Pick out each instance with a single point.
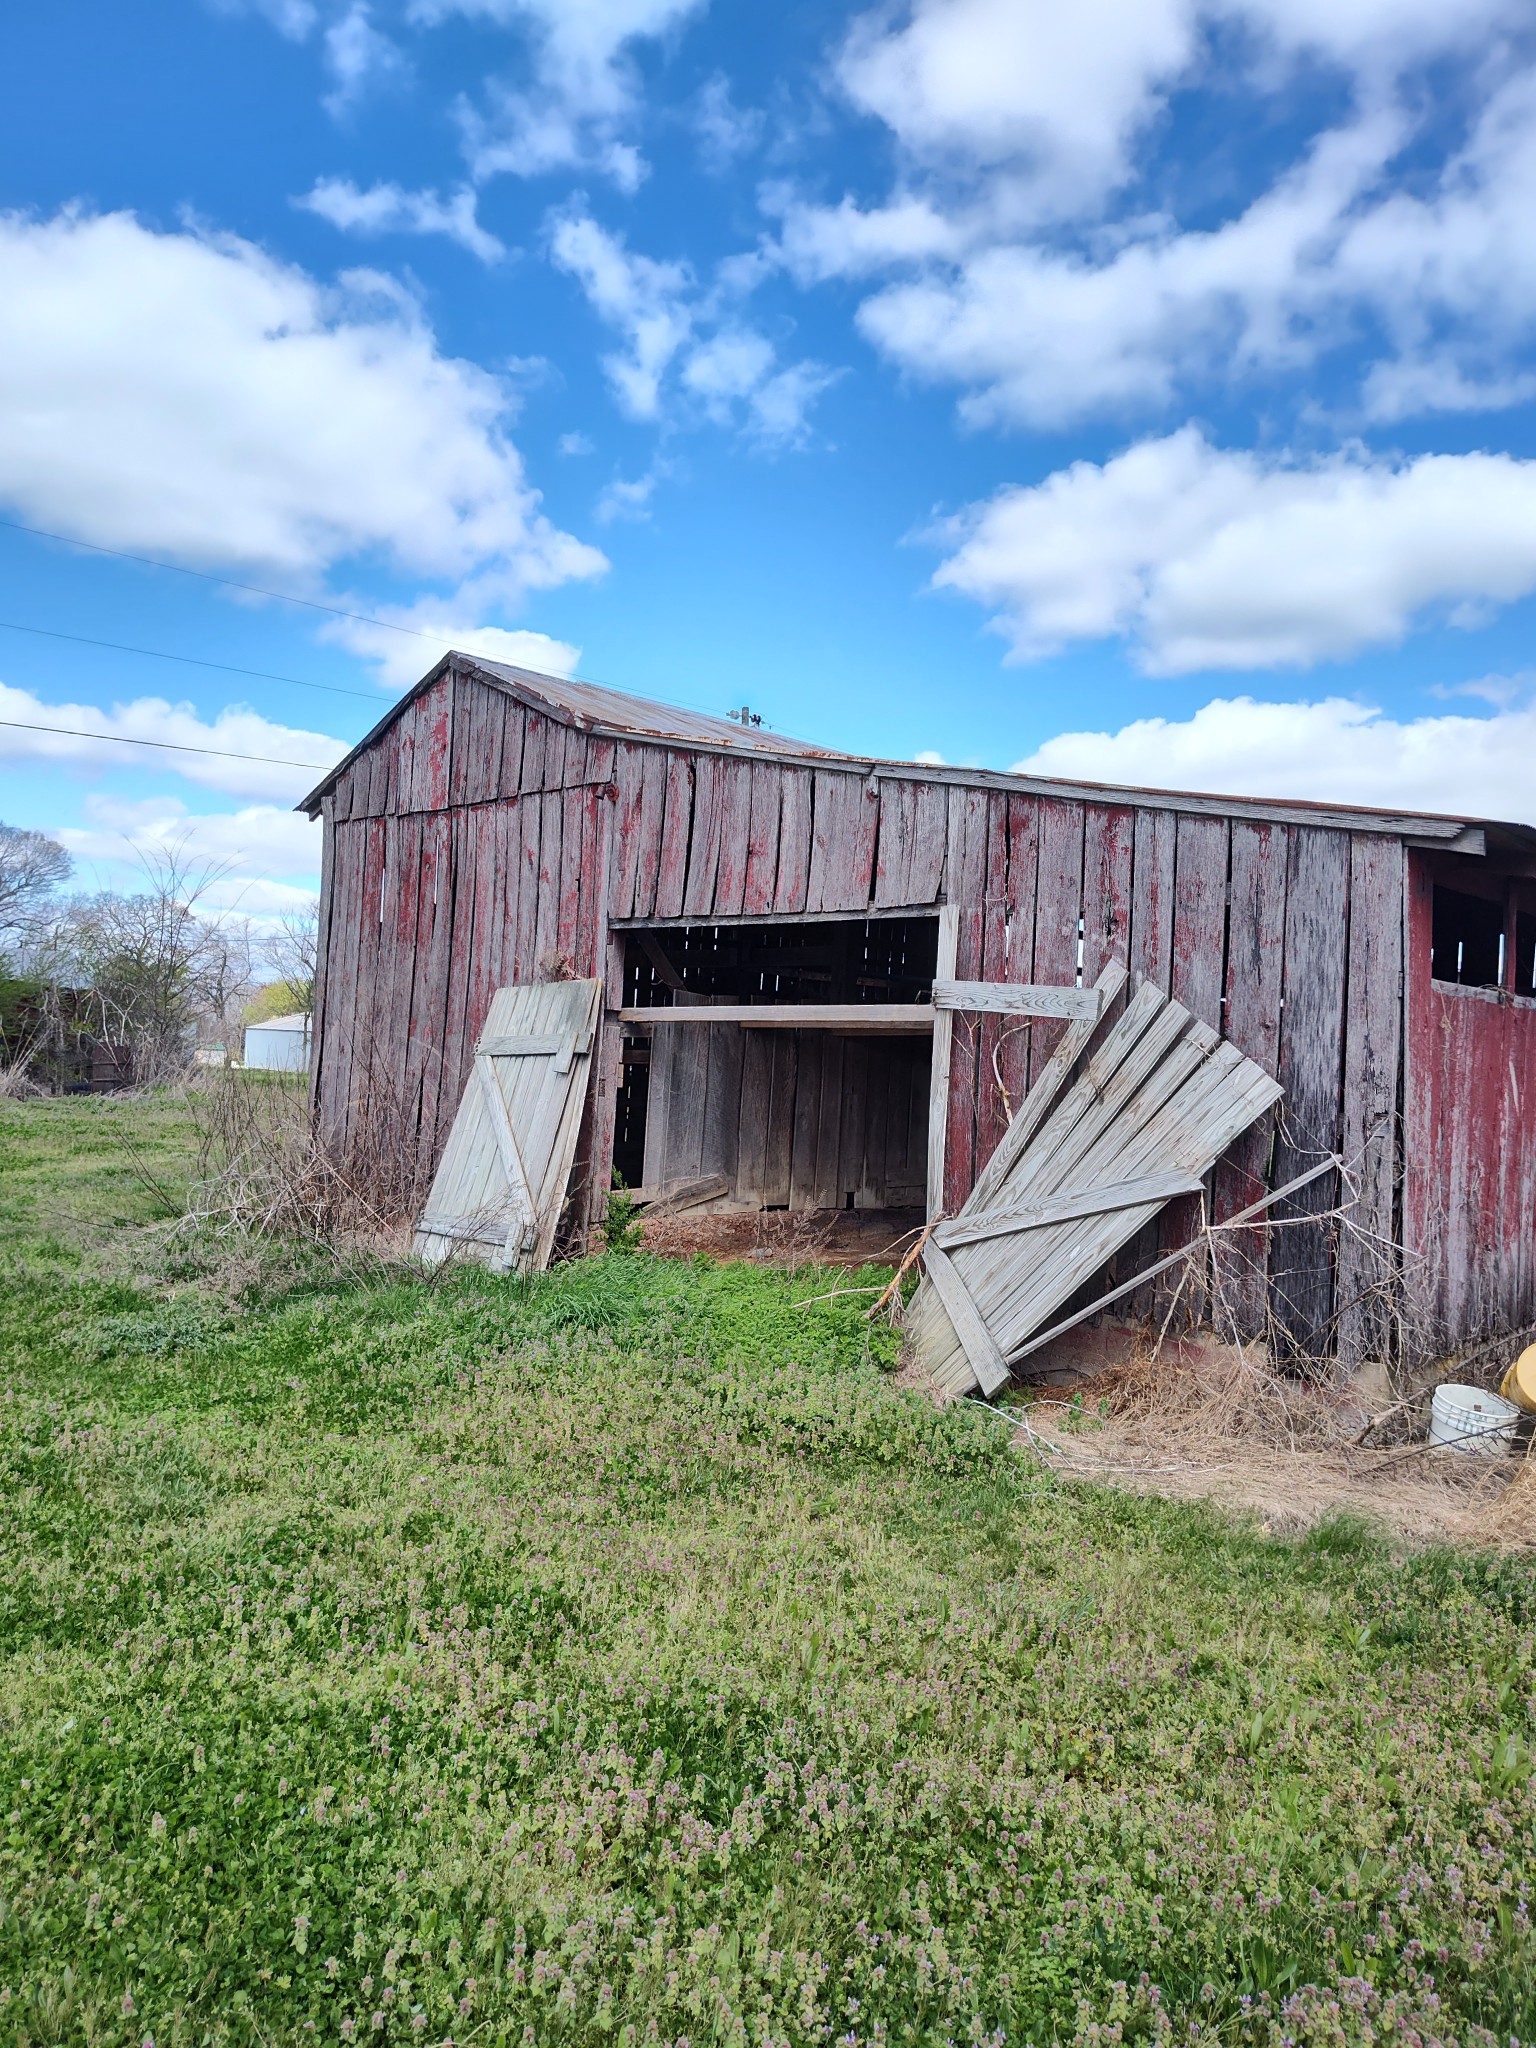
(281, 1043)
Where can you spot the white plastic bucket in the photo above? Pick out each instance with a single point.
(1470, 1419)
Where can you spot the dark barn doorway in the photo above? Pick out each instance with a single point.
(827, 1117)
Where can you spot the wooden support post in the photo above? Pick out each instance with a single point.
(943, 1048)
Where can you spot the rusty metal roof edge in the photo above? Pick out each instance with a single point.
(544, 693)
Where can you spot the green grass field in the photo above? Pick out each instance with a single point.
(621, 1658)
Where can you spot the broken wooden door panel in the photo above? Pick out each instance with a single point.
(500, 1185)
(1153, 1108)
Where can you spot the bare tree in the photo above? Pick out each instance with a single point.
(31, 867)
(293, 949)
(141, 972)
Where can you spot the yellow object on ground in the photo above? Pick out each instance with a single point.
(1519, 1383)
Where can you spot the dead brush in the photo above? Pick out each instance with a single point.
(1211, 1407)
(265, 1173)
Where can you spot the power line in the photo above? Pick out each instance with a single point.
(206, 576)
(117, 739)
(227, 668)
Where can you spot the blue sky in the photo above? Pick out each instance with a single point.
(1143, 390)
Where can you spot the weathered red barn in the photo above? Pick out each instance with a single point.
(499, 827)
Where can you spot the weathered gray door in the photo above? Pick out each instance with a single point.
(1076, 1176)
(499, 1187)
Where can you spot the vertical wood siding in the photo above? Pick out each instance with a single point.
(479, 843)
(1469, 1193)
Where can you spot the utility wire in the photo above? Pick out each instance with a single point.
(261, 675)
(206, 576)
(117, 739)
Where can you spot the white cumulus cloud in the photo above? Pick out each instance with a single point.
(402, 658)
(1028, 267)
(1331, 751)
(1210, 558)
(389, 209)
(583, 94)
(262, 861)
(728, 370)
(84, 736)
(185, 394)
(358, 57)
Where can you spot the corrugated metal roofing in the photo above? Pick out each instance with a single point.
(603, 710)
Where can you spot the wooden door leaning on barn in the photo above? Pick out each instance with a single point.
(501, 1183)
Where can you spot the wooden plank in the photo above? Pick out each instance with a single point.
(1255, 982)
(965, 885)
(1196, 981)
(704, 841)
(794, 860)
(575, 855)
(915, 1017)
(1058, 912)
(762, 867)
(996, 1098)
(465, 938)
(853, 1115)
(1044, 1337)
(334, 1061)
(676, 827)
(930, 827)
(483, 771)
(539, 736)
(1199, 916)
(675, 1195)
(547, 1045)
(1022, 861)
(322, 946)
(527, 819)
(1042, 1097)
(1311, 1069)
(1109, 838)
(779, 1124)
(469, 700)
(551, 809)
(939, 1075)
(893, 842)
(735, 830)
(653, 800)
(596, 803)
(828, 1156)
(1097, 1201)
(1151, 954)
(519, 1193)
(1372, 1071)
(986, 1361)
(1016, 999)
(514, 735)
(1150, 957)
(432, 996)
(810, 1062)
(757, 1057)
(629, 773)
(845, 823)
(720, 1147)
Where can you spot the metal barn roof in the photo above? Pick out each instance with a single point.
(616, 714)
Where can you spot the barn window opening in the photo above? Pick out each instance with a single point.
(830, 1116)
(1467, 939)
(1525, 953)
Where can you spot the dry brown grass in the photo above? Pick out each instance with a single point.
(263, 1171)
(1220, 1424)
